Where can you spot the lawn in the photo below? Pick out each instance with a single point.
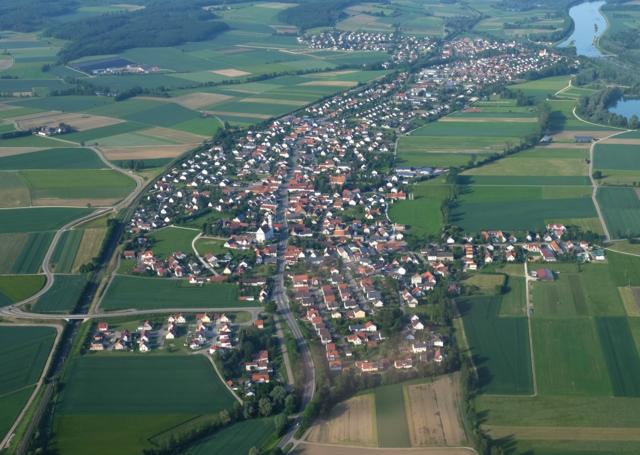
(63, 295)
(621, 210)
(147, 293)
(15, 288)
(422, 213)
(238, 438)
(57, 158)
(502, 359)
(26, 350)
(391, 416)
(172, 239)
(117, 402)
(564, 349)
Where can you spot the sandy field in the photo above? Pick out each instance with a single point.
(144, 152)
(324, 449)
(432, 413)
(80, 122)
(230, 72)
(351, 422)
(9, 151)
(90, 243)
(330, 84)
(199, 99)
(6, 63)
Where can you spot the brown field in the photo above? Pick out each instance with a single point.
(89, 247)
(52, 202)
(569, 135)
(199, 99)
(241, 114)
(351, 422)
(565, 433)
(330, 84)
(9, 151)
(631, 299)
(80, 122)
(273, 101)
(488, 119)
(230, 72)
(144, 152)
(181, 137)
(432, 413)
(334, 73)
(307, 448)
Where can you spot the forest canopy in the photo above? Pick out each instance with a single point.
(32, 15)
(316, 13)
(159, 24)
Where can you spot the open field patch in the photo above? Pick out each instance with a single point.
(307, 448)
(12, 151)
(565, 433)
(175, 136)
(169, 240)
(321, 83)
(621, 355)
(89, 247)
(14, 190)
(66, 250)
(631, 299)
(422, 213)
(147, 293)
(621, 210)
(432, 413)
(351, 422)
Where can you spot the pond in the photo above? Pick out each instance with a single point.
(590, 24)
(626, 108)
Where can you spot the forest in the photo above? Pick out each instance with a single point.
(32, 15)
(161, 23)
(316, 13)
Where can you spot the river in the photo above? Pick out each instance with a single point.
(590, 24)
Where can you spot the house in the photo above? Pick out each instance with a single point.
(418, 347)
(260, 378)
(366, 366)
(103, 327)
(259, 324)
(544, 275)
(584, 139)
(403, 364)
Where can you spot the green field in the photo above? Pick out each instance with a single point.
(58, 158)
(391, 418)
(621, 355)
(147, 293)
(25, 350)
(171, 239)
(63, 295)
(542, 89)
(422, 213)
(66, 250)
(621, 210)
(238, 438)
(78, 184)
(15, 288)
(23, 252)
(89, 136)
(502, 359)
(38, 219)
(104, 397)
(617, 156)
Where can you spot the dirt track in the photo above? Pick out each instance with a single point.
(325, 449)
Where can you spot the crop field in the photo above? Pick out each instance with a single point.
(79, 121)
(23, 252)
(15, 288)
(65, 253)
(422, 213)
(238, 438)
(38, 219)
(26, 349)
(13, 190)
(542, 89)
(621, 355)
(93, 135)
(63, 295)
(519, 208)
(144, 153)
(171, 239)
(351, 422)
(57, 158)
(89, 247)
(84, 185)
(391, 416)
(617, 156)
(100, 407)
(148, 293)
(621, 210)
(502, 360)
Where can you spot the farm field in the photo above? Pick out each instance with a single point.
(38, 219)
(171, 239)
(63, 296)
(23, 252)
(106, 415)
(422, 213)
(620, 209)
(238, 438)
(391, 421)
(57, 158)
(26, 349)
(351, 422)
(15, 288)
(503, 360)
(65, 253)
(147, 293)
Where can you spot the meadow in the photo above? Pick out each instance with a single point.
(104, 397)
(38, 219)
(423, 213)
(150, 293)
(171, 239)
(26, 349)
(15, 288)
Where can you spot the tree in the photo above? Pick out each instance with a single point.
(597, 175)
(278, 394)
(265, 407)
(633, 122)
(280, 424)
(290, 404)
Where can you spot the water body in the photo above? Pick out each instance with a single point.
(590, 24)
(626, 108)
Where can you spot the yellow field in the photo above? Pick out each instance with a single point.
(144, 152)
(199, 99)
(432, 413)
(631, 304)
(89, 247)
(324, 449)
(231, 72)
(351, 422)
